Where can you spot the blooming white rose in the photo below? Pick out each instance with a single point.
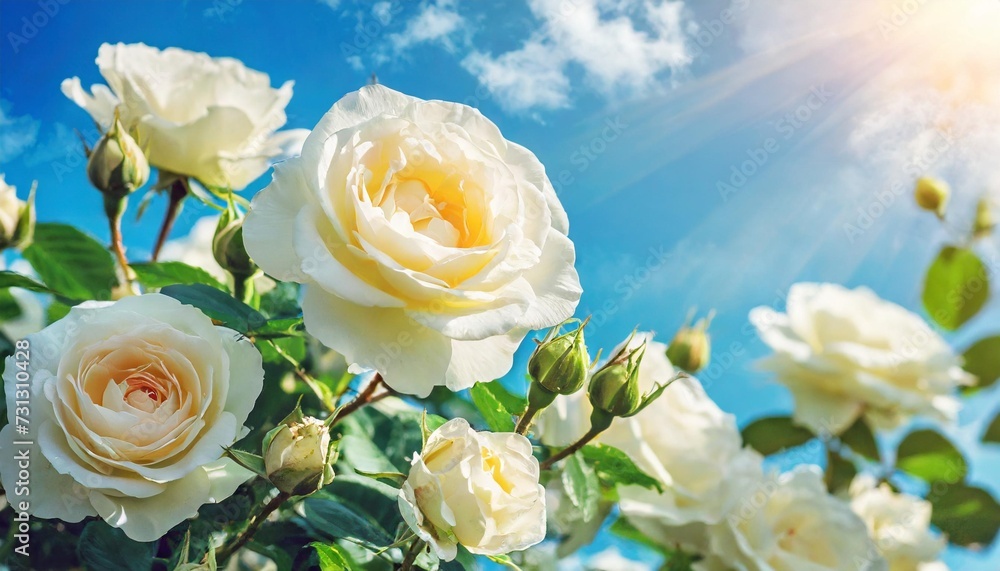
(791, 523)
(682, 439)
(898, 523)
(212, 119)
(428, 245)
(846, 353)
(477, 489)
(131, 404)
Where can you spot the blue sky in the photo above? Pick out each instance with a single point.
(644, 113)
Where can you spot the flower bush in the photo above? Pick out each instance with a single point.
(318, 377)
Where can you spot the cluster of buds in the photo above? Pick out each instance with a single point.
(116, 165)
(299, 454)
(17, 217)
(691, 348)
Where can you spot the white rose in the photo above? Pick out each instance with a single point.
(898, 523)
(682, 439)
(212, 119)
(790, 523)
(477, 489)
(131, 404)
(846, 353)
(428, 245)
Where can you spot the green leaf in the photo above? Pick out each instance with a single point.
(624, 529)
(161, 274)
(982, 359)
(580, 483)
(496, 414)
(103, 547)
(248, 460)
(970, 516)
(71, 262)
(10, 309)
(614, 467)
(860, 439)
(14, 279)
(839, 472)
(772, 435)
(992, 434)
(956, 287)
(355, 508)
(331, 558)
(280, 328)
(282, 560)
(931, 457)
(504, 560)
(218, 305)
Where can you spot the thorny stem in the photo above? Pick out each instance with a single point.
(255, 521)
(525, 421)
(411, 556)
(114, 207)
(366, 396)
(571, 449)
(177, 193)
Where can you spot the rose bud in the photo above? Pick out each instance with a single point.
(985, 219)
(117, 166)
(227, 246)
(614, 388)
(17, 217)
(691, 347)
(477, 489)
(298, 454)
(932, 195)
(558, 366)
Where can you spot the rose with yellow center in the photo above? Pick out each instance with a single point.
(428, 245)
(477, 489)
(791, 523)
(131, 406)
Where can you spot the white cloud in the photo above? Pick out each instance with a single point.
(16, 133)
(383, 11)
(333, 4)
(525, 78)
(434, 22)
(623, 47)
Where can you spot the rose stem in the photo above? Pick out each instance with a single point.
(415, 548)
(525, 421)
(114, 207)
(177, 193)
(571, 449)
(366, 396)
(251, 529)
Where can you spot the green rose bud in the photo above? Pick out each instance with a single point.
(298, 455)
(117, 165)
(17, 217)
(691, 347)
(614, 388)
(932, 195)
(560, 364)
(227, 246)
(985, 219)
